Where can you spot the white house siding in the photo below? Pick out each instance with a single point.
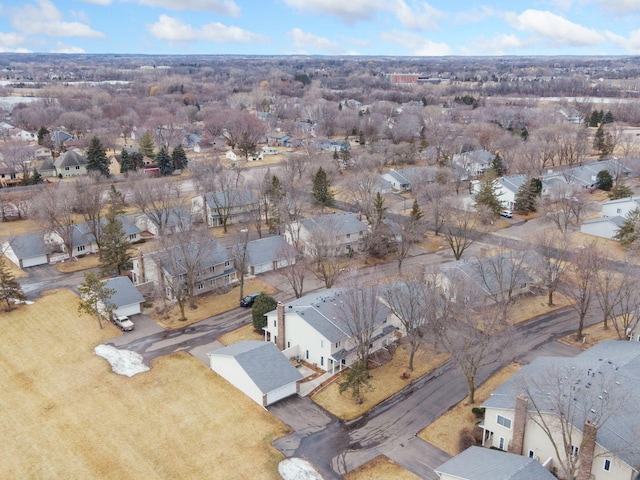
(280, 393)
(229, 369)
(128, 310)
(619, 207)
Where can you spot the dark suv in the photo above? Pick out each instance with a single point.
(248, 300)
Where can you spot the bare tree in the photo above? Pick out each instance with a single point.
(156, 198)
(324, 249)
(551, 247)
(435, 196)
(296, 270)
(17, 156)
(584, 266)
(607, 288)
(564, 205)
(90, 201)
(461, 229)
(241, 257)
(628, 304)
(53, 208)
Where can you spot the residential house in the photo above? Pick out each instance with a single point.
(216, 269)
(620, 207)
(28, 250)
(71, 164)
(9, 175)
(173, 220)
(235, 205)
(402, 179)
(477, 463)
(475, 162)
(343, 232)
(603, 442)
(126, 298)
(604, 227)
(47, 168)
(268, 254)
(58, 137)
(252, 157)
(314, 328)
(335, 145)
(258, 369)
(507, 189)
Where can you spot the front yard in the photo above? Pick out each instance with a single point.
(68, 416)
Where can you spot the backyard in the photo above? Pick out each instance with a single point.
(69, 416)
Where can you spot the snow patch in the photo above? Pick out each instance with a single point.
(123, 362)
(297, 469)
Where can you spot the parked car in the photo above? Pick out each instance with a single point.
(122, 322)
(249, 299)
(506, 213)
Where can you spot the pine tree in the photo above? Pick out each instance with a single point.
(10, 290)
(97, 158)
(356, 379)
(42, 133)
(604, 180)
(165, 164)
(416, 212)
(94, 297)
(126, 165)
(629, 232)
(488, 197)
(114, 246)
(147, 145)
(137, 160)
(602, 142)
(378, 211)
(321, 189)
(527, 195)
(620, 191)
(179, 158)
(608, 117)
(275, 193)
(498, 166)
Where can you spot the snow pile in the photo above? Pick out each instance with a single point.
(123, 362)
(297, 469)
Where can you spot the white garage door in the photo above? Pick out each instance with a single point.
(33, 261)
(265, 267)
(280, 393)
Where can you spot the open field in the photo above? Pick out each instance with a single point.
(443, 433)
(209, 305)
(380, 468)
(386, 380)
(69, 416)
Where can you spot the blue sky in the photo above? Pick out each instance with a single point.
(322, 27)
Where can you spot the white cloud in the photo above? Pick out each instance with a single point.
(11, 39)
(413, 14)
(174, 30)
(223, 7)
(63, 48)
(631, 44)
(501, 44)
(98, 2)
(616, 6)
(417, 44)
(45, 18)
(555, 29)
(304, 40)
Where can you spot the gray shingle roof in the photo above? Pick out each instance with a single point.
(265, 364)
(126, 292)
(231, 198)
(30, 245)
(477, 463)
(619, 433)
(618, 221)
(340, 223)
(266, 250)
(70, 159)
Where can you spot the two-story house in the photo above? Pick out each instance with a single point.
(585, 404)
(224, 207)
(344, 233)
(71, 164)
(315, 328)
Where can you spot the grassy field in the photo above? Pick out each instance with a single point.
(380, 468)
(239, 334)
(68, 416)
(386, 380)
(443, 433)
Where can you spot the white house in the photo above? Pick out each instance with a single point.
(602, 438)
(342, 232)
(269, 254)
(258, 369)
(474, 162)
(126, 298)
(605, 227)
(28, 250)
(314, 328)
(620, 207)
(234, 205)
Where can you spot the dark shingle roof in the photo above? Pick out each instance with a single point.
(267, 250)
(30, 245)
(126, 292)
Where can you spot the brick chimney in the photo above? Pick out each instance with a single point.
(589, 434)
(519, 422)
(280, 343)
(141, 275)
(205, 213)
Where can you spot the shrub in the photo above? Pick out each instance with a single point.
(478, 412)
(466, 439)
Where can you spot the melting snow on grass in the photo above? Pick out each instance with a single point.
(297, 469)
(123, 362)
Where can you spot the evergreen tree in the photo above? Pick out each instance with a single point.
(378, 211)
(114, 245)
(147, 145)
(97, 158)
(165, 164)
(275, 194)
(527, 195)
(42, 133)
(498, 166)
(629, 232)
(35, 178)
(416, 212)
(595, 119)
(488, 197)
(321, 189)
(262, 304)
(10, 290)
(620, 191)
(94, 297)
(357, 380)
(126, 165)
(604, 180)
(603, 143)
(137, 160)
(608, 117)
(179, 158)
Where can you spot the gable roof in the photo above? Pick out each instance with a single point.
(30, 245)
(265, 250)
(617, 221)
(230, 198)
(126, 292)
(512, 182)
(263, 362)
(477, 463)
(340, 223)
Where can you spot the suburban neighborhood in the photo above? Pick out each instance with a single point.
(292, 276)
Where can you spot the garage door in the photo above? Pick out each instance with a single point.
(280, 393)
(33, 261)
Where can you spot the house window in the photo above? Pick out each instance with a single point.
(338, 344)
(227, 263)
(501, 443)
(321, 343)
(504, 421)
(619, 210)
(322, 361)
(288, 344)
(81, 248)
(200, 286)
(348, 235)
(274, 323)
(132, 236)
(306, 354)
(607, 465)
(66, 169)
(77, 167)
(212, 269)
(531, 454)
(574, 451)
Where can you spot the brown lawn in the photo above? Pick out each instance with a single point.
(209, 305)
(443, 433)
(13, 268)
(386, 380)
(593, 335)
(19, 227)
(238, 335)
(527, 307)
(83, 263)
(69, 416)
(380, 468)
(607, 248)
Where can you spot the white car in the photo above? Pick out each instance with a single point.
(506, 213)
(122, 322)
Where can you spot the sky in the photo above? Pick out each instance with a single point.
(322, 27)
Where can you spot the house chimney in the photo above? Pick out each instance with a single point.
(589, 434)
(280, 343)
(140, 278)
(205, 215)
(519, 421)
